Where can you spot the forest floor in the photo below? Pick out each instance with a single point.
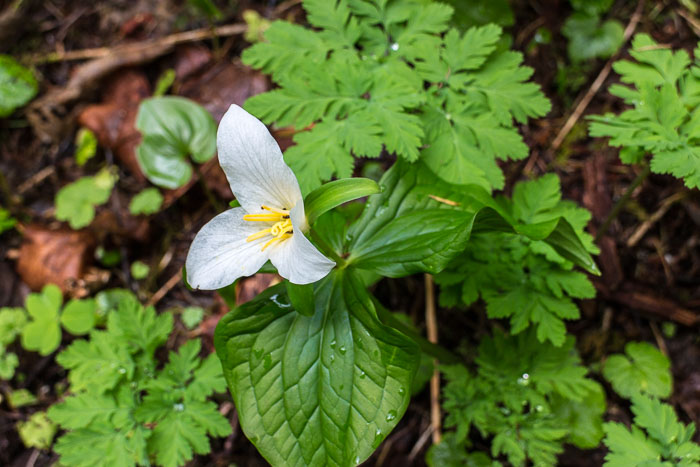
(650, 255)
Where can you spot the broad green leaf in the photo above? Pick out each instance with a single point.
(17, 85)
(643, 369)
(146, 202)
(335, 193)
(173, 128)
(76, 201)
(301, 297)
(78, 317)
(591, 38)
(320, 390)
(419, 223)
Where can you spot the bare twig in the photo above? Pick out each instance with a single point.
(659, 338)
(693, 22)
(167, 287)
(420, 444)
(166, 42)
(654, 218)
(602, 76)
(431, 324)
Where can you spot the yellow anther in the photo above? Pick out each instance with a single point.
(282, 228)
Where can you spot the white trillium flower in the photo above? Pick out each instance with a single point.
(270, 223)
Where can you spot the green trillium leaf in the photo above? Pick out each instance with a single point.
(335, 193)
(316, 390)
(173, 128)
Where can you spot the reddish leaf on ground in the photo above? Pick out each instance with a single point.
(53, 256)
(113, 121)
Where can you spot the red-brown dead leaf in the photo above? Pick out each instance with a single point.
(224, 84)
(53, 256)
(190, 59)
(113, 121)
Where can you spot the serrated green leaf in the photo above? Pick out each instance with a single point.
(109, 447)
(643, 369)
(173, 128)
(337, 399)
(17, 85)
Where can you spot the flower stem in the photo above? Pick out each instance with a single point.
(622, 201)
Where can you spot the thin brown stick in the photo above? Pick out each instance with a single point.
(693, 22)
(654, 218)
(659, 338)
(167, 287)
(163, 42)
(602, 76)
(431, 324)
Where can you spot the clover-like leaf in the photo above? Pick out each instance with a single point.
(643, 369)
(76, 202)
(43, 333)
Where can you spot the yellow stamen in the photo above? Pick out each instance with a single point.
(282, 228)
(258, 235)
(276, 239)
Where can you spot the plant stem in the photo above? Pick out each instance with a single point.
(622, 201)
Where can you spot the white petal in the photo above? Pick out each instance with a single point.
(296, 259)
(253, 163)
(220, 253)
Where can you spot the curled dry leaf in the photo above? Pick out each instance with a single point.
(53, 257)
(113, 121)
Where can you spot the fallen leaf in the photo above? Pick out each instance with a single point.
(53, 257)
(113, 121)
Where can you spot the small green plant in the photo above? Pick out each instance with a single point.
(127, 410)
(12, 322)
(173, 128)
(42, 332)
(139, 270)
(656, 438)
(520, 279)
(642, 369)
(85, 146)
(17, 85)
(526, 397)
(396, 78)
(192, 316)
(76, 201)
(589, 36)
(7, 222)
(37, 432)
(660, 86)
(146, 202)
